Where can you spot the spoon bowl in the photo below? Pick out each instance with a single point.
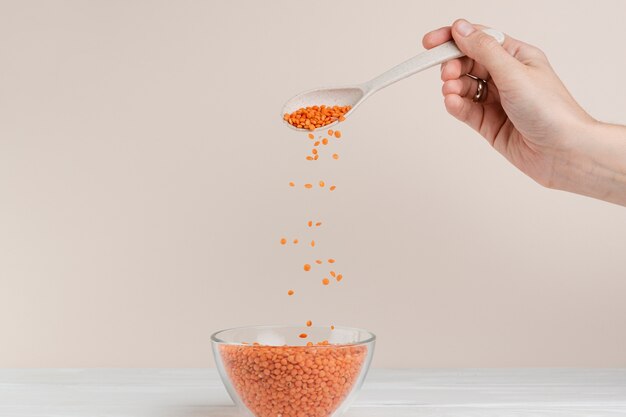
(354, 95)
(328, 96)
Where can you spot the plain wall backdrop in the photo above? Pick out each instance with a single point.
(144, 171)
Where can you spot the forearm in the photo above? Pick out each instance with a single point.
(596, 165)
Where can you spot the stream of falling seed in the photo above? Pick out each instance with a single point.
(314, 156)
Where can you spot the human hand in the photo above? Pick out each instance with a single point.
(528, 113)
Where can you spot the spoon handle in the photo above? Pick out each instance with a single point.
(435, 56)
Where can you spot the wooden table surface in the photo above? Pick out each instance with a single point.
(199, 392)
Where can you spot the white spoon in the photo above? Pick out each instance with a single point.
(354, 95)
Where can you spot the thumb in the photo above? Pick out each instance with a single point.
(483, 49)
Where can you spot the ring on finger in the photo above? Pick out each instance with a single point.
(481, 91)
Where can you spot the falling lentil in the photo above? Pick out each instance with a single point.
(306, 118)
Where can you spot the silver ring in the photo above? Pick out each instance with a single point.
(481, 92)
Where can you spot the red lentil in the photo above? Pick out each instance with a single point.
(309, 118)
(314, 117)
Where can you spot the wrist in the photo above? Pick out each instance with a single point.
(594, 163)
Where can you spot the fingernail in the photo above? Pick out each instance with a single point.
(464, 28)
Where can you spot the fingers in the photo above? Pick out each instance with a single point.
(486, 120)
(436, 37)
(465, 110)
(485, 50)
(523, 52)
(459, 67)
(467, 87)
(454, 69)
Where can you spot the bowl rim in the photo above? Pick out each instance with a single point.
(215, 339)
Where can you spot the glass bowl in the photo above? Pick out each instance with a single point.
(270, 371)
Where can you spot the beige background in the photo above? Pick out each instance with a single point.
(143, 187)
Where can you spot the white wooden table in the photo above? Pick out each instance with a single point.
(199, 392)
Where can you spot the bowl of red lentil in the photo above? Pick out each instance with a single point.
(291, 371)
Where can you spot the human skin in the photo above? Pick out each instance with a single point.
(529, 116)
